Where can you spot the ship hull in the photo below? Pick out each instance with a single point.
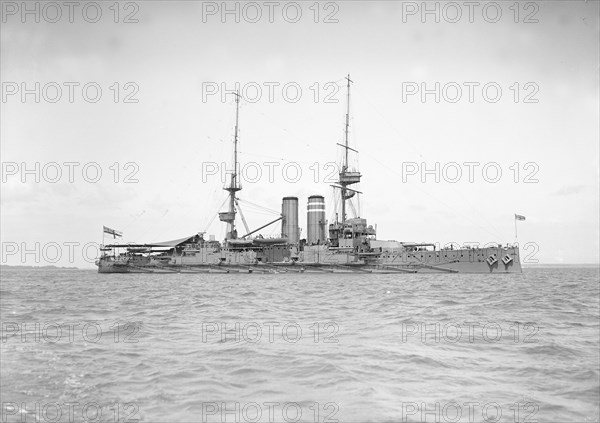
(498, 260)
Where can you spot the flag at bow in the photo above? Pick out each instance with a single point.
(519, 217)
(112, 232)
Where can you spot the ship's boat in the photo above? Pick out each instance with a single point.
(240, 243)
(269, 241)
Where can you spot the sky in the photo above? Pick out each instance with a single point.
(462, 114)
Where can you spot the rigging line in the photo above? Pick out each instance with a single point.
(390, 124)
(352, 207)
(237, 203)
(494, 231)
(216, 214)
(277, 158)
(452, 188)
(256, 213)
(135, 218)
(259, 206)
(257, 210)
(250, 205)
(333, 199)
(444, 204)
(273, 122)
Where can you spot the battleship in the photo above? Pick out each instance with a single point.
(346, 245)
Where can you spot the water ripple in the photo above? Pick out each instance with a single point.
(359, 348)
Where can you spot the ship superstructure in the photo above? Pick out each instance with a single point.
(348, 244)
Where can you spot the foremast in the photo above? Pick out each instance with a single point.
(234, 185)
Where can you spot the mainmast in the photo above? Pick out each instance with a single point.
(347, 177)
(345, 167)
(234, 186)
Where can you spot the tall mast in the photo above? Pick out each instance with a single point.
(347, 177)
(235, 144)
(345, 167)
(345, 164)
(234, 186)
